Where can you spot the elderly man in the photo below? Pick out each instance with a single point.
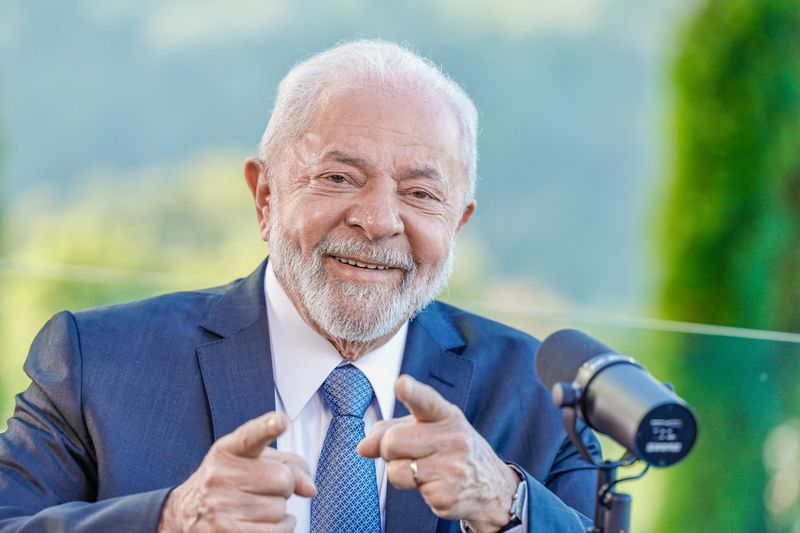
(384, 411)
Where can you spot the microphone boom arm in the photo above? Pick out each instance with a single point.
(612, 509)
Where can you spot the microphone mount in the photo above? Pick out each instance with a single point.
(616, 396)
(612, 509)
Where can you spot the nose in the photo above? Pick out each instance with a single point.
(376, 211)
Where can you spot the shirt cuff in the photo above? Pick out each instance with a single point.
(520, 528)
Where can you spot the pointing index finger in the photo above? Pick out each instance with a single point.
(250, 439)
(370, 446)
(422, 400)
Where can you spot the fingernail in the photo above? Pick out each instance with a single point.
(272, 421)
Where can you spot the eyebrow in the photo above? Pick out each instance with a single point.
(424, 171)
(342, 157)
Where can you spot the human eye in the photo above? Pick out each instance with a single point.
(421, 194)
(336, 178)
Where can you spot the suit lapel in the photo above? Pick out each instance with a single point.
(237, 368)
(431, 356)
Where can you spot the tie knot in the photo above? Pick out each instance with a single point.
(347, 392)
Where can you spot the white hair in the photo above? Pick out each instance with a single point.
(362, 63)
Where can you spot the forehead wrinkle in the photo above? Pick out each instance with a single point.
(423, 171)
(340, 156)
(300, 152)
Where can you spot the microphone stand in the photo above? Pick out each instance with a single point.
(613, 509)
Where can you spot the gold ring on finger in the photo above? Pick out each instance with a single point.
(414, 471)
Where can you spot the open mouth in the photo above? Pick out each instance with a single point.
(360, 264)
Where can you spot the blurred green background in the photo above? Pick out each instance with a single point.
(640, 180)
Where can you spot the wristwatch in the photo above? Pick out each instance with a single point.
(517, 507)
(515, 511)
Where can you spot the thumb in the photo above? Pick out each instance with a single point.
(250, 439)
(422, 400)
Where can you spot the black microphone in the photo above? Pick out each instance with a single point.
(615, 395)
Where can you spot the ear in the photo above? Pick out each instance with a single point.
(255, 174)
(467, 214)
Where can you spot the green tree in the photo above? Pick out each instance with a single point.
(731, 248)
(3, 315)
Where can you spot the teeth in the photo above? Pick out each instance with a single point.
(352, 262)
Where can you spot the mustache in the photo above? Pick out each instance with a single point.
(370, 252)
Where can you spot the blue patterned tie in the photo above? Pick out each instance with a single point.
(347, 497)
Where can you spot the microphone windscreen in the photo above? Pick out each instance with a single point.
(561, 355)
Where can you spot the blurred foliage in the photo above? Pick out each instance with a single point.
(731, 244)
(3, 318)
(121, 238)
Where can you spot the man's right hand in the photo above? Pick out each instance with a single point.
(241, 485)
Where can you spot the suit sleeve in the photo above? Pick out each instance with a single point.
(565, 502)
(48, 471)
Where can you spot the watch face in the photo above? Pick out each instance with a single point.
(517, 505)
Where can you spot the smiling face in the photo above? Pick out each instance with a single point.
(362, 210)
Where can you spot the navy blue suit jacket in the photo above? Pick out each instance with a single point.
(126, 401)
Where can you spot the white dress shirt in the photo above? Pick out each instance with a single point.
(301, 361)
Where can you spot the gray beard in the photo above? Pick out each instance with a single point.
(349, 311)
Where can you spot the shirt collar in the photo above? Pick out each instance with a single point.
(302, 358)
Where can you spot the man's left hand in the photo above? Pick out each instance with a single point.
(459, 475)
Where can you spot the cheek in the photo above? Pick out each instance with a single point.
(432, 236)
(430, 245)
(309, 222)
